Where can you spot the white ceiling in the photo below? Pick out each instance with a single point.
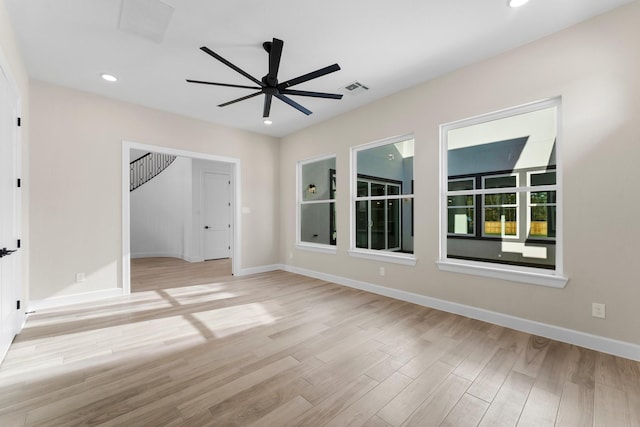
(386, 45)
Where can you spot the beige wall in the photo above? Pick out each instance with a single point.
(76, 184)
(12, 59)
(594, 66)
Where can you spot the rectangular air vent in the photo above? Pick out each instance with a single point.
(146, 18)
(356, 88)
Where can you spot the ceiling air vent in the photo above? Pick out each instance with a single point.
(145, 18)
(356, 88)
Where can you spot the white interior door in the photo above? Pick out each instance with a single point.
(217, 215)
(10, 264)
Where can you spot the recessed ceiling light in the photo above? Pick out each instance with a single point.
(108, 77)
(268, 122)
(517, 3)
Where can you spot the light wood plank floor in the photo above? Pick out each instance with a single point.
(279, 349)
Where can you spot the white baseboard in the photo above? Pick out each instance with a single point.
(165, 255)
(60, 301)
(261, 269)
(570, 336)
(156, 255)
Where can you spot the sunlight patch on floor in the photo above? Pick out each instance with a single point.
(226, 321)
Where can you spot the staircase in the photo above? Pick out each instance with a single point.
(146, 167)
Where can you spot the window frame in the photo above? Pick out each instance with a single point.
(524, 274)
(374, 254)
(300, 202)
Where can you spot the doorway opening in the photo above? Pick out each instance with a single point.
(200, 233)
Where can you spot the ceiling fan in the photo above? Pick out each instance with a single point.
(269, 85)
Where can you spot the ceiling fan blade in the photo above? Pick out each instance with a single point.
(230, 65)
(267, 105)
(223, 84)
(312, 94)
(293, 103)
(240, 99)
(274, 59)
(309, 76)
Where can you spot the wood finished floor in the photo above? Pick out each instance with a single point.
(279, 349)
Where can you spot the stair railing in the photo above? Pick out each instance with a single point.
(145, 168)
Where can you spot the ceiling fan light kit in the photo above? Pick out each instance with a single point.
(517, 3)
(109, 77)
(269, 85)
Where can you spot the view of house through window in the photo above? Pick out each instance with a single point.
(317, 193)
(384, 196)
(500, 194)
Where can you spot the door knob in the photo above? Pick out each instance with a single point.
(206, 227)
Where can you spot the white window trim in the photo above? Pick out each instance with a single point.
(310, 246)
(536, 276)
(384, 256)
(508, 272)
(317, 247)
(372, 254)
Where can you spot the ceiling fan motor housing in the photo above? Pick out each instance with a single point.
(269, 85)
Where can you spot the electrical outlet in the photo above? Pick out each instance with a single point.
(381, 271)
(598, 310)
(290, 255)
(79, 277)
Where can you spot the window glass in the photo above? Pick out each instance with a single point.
(384, 196)
(314, 223)
(316, 180)
(363, 188)
(500, 181)
(543, 178)
(461, 184)
(461, 220)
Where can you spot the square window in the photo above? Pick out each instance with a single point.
(501, 171)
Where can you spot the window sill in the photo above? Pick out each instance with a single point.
(316, 247)
(392, 257)
(533, 278)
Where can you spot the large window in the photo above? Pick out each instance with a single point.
(316, 204)
(500, 188)
(382, 200)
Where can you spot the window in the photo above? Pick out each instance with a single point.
(378, 222)
(461, 209)
(542, 206)
(500, 210)
(316, 204)
(382, 200)
(500, 192)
